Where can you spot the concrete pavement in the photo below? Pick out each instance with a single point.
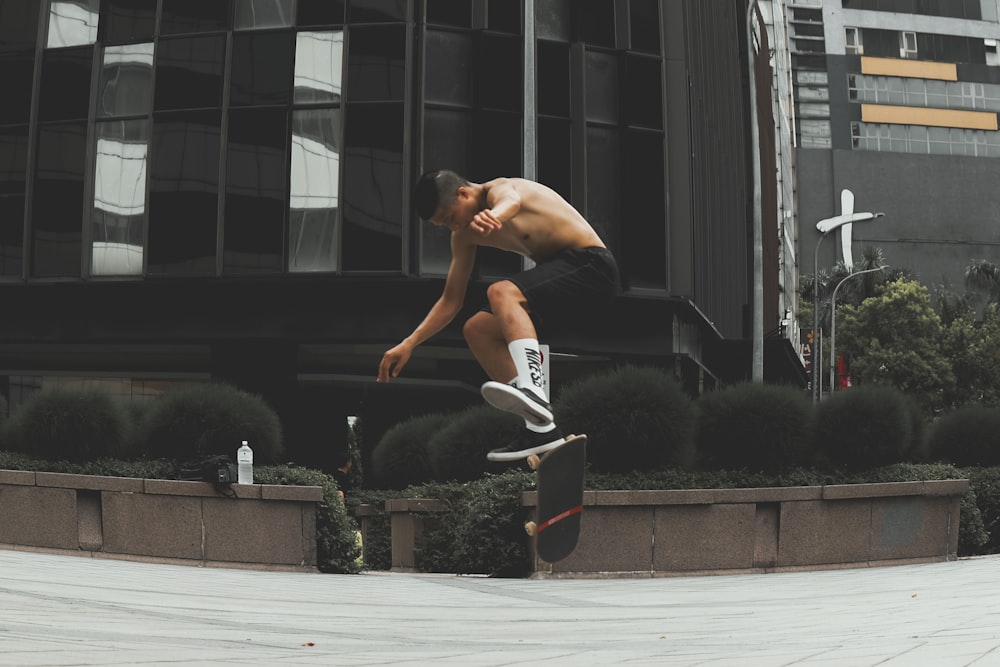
(65, 610)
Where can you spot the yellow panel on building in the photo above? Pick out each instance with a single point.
(914, 69)
(899, 115)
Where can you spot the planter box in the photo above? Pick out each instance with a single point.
(727, 531)
(261, 526)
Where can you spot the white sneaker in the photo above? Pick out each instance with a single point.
(528, 443)
(523, 402)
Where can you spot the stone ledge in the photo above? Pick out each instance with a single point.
(90, 482)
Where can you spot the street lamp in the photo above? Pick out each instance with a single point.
(824, 227)
(833, 321)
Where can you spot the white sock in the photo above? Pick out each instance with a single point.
(528, 362)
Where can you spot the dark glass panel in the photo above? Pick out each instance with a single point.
(457, 13)
(496, 151)
(376, 64)
(554, 19)
(186, 16)
(189, 72)
(13, 166)
(499, 73)
(642, 229)
(449, 68)
(603, 182)
(16, 73)
(184, 193)
(258, 14)
(126, 84)
(65, 88)
(555, 155)
(552, 86)
(18, 23)
(643, 99)
(256, 169)
(644, 19)
(504, 16)
(128, 21)
(446, 140)
(321, 12)
(57, 202)
(118, 214)
(373, 187)
(261, 68)
(377, 11)
(597, 22)
(314, 204)
(602, 87)
(319, 65)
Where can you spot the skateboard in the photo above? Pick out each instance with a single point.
(559, 479)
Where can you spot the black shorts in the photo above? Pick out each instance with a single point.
(568, 286)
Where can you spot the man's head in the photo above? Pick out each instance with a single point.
(437, 191)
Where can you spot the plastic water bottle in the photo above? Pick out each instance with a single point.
(244, 464)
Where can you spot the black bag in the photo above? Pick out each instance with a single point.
(218, 469)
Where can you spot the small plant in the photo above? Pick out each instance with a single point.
(400, 458)
(635, 419)
(68, 423)
(754, 426)
(206, 419)
(967, 437)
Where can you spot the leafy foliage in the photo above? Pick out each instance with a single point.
(68, 423)
(635, 418)
(865, 427)
(400, 459)
(755, 426)
(211, 418)
(969, 436)
(974, 350)
(458, 451)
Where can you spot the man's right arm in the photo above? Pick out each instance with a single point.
(441, 314)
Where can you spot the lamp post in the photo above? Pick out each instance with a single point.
(757, 361)
(833, 321)
(825, 226)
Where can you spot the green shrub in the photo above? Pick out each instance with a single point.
(458, 451)
(378, 538)
(968, 436)
(755, 426)
(207, 419)
(68, 423)
(635, 419)
(864, 427)
(985, 483)
(336, 548)
(399, 459)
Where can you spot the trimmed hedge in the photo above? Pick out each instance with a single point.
(458, 451)
(866, 427)
(635, 418)
(966, 437)
(400, 458)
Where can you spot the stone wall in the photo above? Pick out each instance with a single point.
(254, 525)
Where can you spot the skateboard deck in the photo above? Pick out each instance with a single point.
(559, 480)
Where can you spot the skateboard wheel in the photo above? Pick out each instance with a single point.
(531, 528)
(533, 461)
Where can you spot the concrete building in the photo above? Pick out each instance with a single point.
(198, 191)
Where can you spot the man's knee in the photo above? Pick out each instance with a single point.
(504, 291)
(479, 326)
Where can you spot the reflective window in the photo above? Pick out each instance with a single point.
(643, 101)
(118, 214)
(321, 12)
(376, 64)
(495, 150)
(449, 67)
(19, 23)
(255, 191)
(319, 66)
(261, 71)
(314, 202)
(554, 19)
(603, 177)
(373, 187)
(57, 202)
(446, 139)
(184, 193)
(128, 21)
(500, 84)
(504, 17)
(187, 16)
(254, 14)
(456, 13)
(597, 22)
(374, 11)
(72, 22)
(552, 70)
(555, 154)
(602, 87)
(16, 73)
(13, 166)
(644, 21)
(125, 86)
(642, 226)
(189, 72)
(65, 89)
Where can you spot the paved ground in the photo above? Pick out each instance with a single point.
(64, 610)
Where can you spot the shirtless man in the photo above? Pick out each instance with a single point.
(573, 273)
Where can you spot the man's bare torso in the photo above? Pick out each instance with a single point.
(544, 225)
